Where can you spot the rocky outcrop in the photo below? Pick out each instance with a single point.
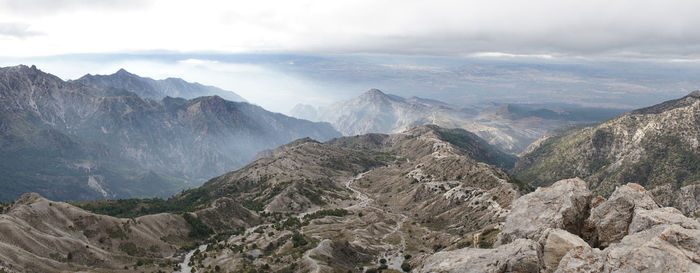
(521, 255)
(609, 220)
(628, 232)
(663, 248)
(563, 205)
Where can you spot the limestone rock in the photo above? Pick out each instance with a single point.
(688, 200)
(555, 244)
(663, 248)
(646, 219)
(609, 220)
(581, 259)
(521, 255)
(563, 205)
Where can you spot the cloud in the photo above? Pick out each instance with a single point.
(502, 29)
(16, 30)
(48, 7)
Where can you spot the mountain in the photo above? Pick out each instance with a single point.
(156, 89)
(311, 205)
(510, 127)
(413, 201)
(656, 147)
(69, 141)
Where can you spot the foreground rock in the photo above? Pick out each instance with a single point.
(556, 243)
(628, 232)
(563, 205)
(663, 248)
(522, 255)
(609, 220)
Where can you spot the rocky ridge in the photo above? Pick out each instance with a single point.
(156, 89)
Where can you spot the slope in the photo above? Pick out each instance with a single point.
(656, 147)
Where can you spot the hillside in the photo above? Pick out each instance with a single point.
(656, 147)
(69, 141)
(335, 205)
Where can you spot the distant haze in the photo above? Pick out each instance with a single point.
(280, 81)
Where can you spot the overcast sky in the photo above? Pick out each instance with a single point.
(592, 29)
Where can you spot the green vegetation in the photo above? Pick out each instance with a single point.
(187, 201)
(326, 212)
(299, 240)
(254, 205)
(199, 229)
(131, 249)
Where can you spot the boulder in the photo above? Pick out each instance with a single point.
(581, 259)
(646, 219)
(520, 256)
(555, 244)
(564, 205)
(662, 248)
(610, 219)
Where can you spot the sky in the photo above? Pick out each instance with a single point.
(622, 30)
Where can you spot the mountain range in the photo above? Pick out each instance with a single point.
(71, 141)
(156, 89)
(511, 127)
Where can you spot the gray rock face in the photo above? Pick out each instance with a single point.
(609, 220)
(663, 248)
(688, 200)
(556, 243)
(563, 205)
(519, 256)
(646, 219)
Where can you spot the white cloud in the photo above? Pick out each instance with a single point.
(621, 28)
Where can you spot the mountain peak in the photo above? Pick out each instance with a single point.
(123, 72)
(374, 92)
(694, 94)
